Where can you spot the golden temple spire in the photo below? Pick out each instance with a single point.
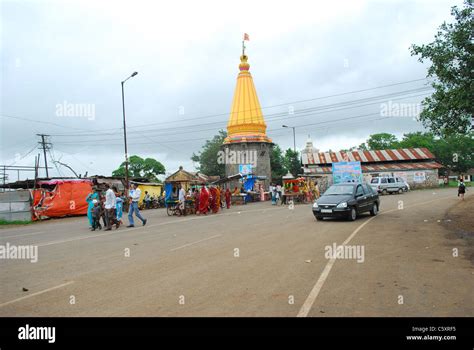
(246, 122)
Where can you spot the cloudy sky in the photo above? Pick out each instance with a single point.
(327, 68)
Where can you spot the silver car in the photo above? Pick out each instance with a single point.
(388, 184)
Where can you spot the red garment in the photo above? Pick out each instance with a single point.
(203, 200)
(214, 206)
(228, 197)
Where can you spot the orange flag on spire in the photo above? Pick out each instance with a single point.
(246, 37)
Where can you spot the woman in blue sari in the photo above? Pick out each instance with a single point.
(118, 205)
(89, 199)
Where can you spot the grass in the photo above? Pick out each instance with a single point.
(14, 222)
(455, 184)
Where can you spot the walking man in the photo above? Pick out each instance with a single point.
(109, 207)
(134, 196)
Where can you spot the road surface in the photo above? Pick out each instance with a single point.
(253, 260)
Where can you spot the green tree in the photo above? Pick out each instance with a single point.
(292, 162)
(207, 158)
(382, 141)
(418, 139)
(138, 167)
(277, 163)
(450, 108)
(455, 152)
(362, 147)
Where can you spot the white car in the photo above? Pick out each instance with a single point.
(388, 184)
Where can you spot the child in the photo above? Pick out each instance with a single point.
(96, 214)
(461, 189)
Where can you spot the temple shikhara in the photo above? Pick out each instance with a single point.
(246, 130)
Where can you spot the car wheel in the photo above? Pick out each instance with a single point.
(400, 191)
(384, 192)
(353, 214)
(374, 210)
(319, 218)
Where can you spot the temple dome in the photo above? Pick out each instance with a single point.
(246, 122)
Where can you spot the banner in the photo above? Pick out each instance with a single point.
(245, 169)
(346, 172)
(419, 176)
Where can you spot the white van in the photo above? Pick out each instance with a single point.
(388, 184)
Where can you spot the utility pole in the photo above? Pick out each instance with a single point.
(44, 146)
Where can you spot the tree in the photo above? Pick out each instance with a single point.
(277, 163)
(138, 167)
(292, 162)
(363, 147)
(450, 108)
(455, 153)
(207, 158)
(382, 141)
(418, 139)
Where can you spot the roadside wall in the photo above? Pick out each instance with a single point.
(15, 205)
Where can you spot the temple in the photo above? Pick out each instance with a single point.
(246, 130)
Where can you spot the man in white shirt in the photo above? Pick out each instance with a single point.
(182, 200)
(134, 197)
(109, 206)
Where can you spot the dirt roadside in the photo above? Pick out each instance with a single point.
(459, 221)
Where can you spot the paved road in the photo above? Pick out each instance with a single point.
(254, 260)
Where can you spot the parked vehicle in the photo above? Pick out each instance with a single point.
(388, 184)
(347, 200)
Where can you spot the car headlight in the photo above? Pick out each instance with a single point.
(315, 205)
(342, 205)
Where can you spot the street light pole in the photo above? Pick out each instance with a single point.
(294, 136)
(125, 131)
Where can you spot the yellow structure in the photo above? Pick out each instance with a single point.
(153, 189)
(246, 122)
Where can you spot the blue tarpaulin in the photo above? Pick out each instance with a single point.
(169, 192)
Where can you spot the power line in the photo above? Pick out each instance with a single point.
(266, 107)
(275, 116)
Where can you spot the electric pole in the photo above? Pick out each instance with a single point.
(44, 146)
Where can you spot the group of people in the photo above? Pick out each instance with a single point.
(108, 207)
(208, 199)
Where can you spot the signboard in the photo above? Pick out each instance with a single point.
(346, 172)
(245, 169)
(403, 175)
(419, 176)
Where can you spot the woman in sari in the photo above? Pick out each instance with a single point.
(204, 200)
(214, 206)
(228, 197)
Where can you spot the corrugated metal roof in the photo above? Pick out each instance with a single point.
(378, 167)
(386, 155)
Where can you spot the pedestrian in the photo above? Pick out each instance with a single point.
(278, 193)
(228, 197)
(118, 207)
(196, 200)
(134, 195)
(181, 200)
(96, 213)
(147, 200)
(204, 200)
(461, 188)
(94, 195)
(273, 193)
(110, 202)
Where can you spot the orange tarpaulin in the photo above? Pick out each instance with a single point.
(67, 198)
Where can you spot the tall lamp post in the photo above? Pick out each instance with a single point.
(294, 136)
(125, 132)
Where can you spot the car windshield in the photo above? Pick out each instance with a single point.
(339, 190)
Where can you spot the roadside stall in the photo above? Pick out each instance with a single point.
(295, 190)
(188, 180)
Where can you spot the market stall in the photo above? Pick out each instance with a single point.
(294, 190)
